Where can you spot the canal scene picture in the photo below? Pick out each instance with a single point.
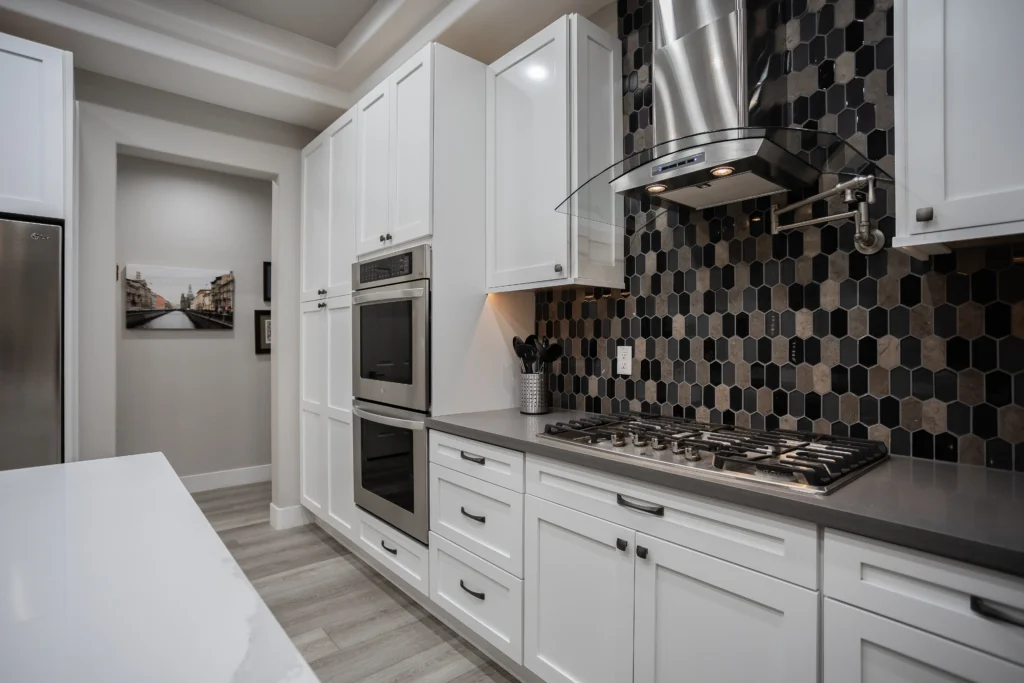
(171, 298)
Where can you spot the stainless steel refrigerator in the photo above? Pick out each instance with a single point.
(30, 344)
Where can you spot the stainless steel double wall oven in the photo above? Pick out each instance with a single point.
(391, 386)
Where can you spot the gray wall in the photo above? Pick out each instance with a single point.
(201, 397)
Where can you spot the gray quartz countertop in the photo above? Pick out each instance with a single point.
(962, 512)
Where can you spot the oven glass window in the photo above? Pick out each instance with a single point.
(387, 462)
(385, 342)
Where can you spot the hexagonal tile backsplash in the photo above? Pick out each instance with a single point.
(731, 324)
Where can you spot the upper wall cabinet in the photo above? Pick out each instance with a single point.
(553, 122)
(329, 211)
(402, 124)
(34, 127)
(959, 139)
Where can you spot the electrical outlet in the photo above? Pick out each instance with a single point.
(624, 355)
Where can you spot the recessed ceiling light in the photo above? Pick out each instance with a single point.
(722, 171)
(536, 72)
(657, 188)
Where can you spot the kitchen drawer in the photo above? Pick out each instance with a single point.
(483, 518)
(399, 553)
(497, 465)
(774, 545)
(481, 596)
(928, 592)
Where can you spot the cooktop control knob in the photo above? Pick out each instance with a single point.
(639, 440)
(619, 439)
(657, 443)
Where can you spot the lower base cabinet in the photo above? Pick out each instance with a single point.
(861, 647)
(695, 612)
(578, 596)
(405, 557)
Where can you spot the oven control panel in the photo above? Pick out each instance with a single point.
(386, 268)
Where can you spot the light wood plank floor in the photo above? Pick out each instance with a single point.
(348, 621)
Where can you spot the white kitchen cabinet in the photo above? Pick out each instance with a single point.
(312, 408)
(404, 124)
(578, 596)
(861, 647)
(553, 122)
(958, 137)
(328, 211)
(693, 612)
(35, 128)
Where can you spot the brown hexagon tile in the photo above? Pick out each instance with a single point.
(787, 422)
(970, 320)
(970, 260)
(756, 324)
(1011, 424)
(780, 298)
(838, 266)
(830, 351)
(722, 253)
(651, 391)
(845, 69)
(933, 289)
(971, 387)
(703, 414)
(804, 323)
(743, 419)
(921, 321)
(822, 426)
(879, 433)
(910, 414)
(899, 265)
(696, 348)
(735, 349)
(878, 381)
(829, 297)
(1017, 319)
(715, 325)
(888, 352)
(933, 416)
(742, 374)
(822, 375)
(735, 300)
(888, 291)
(722, 397)
(849, 408)
(764, 400)
(679, 326)
(971, 450)
(933, 353)
(804, 378)
(780, 350)
(703, 372)
(857, 322)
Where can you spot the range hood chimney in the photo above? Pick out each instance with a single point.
(704, 152)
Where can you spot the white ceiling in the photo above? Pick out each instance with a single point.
(325, 21)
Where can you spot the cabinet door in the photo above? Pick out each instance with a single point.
(578, 604)
(338, 412)
(341, 252)
(861, 647)
(693, 611)
(372, 159)
(597, 144)
(316, 178)
(962, 134)
(31, 128)
(312, 408)
(528, 161)
(410, 89)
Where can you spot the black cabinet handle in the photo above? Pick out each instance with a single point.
(475, 518)
(393, 551)
(979, 606)
(382, 238)
(478, 596)
(621, 544)
(641, 552)
(472, 458)
(321, 305)
(649, 508)
(388, 236)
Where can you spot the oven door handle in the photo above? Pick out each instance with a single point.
(417, 425)
(392, 295)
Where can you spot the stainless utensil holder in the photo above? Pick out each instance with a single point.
(533, 393)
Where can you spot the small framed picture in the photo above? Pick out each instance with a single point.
(262, 319)
(266, 280)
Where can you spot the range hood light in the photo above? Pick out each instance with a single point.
(755, 219)
(722, 171)
(656, 188)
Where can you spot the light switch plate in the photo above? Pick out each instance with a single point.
(624, 356)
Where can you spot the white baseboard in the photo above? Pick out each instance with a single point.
(195, 483)
(289, 517)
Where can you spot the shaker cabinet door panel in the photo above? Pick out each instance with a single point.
(578, 596)
(312, 406)
(692, 610)
(528, 161)
(316, 178)
(32, 129)
(966, 170)
(342, 232)
(373, 159)
(411, 88)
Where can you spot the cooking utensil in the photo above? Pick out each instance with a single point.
(528, 353)
(550, 354)
(516, 343)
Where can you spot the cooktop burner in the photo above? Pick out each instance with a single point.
(803, 461)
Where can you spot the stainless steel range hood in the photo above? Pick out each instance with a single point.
(704, 153)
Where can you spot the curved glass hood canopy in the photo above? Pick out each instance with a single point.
(715, 168)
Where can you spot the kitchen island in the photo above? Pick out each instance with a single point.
(109, 572)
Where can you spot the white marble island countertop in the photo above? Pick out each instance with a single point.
(110, 573)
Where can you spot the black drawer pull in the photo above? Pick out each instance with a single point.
(472, 458)
(475, 518)
(478, 596)
(621, 543)
(979, 606)
(641, 552)
(649, 508)
(393, 551)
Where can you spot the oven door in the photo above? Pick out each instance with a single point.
(391, 345)
(391, 466)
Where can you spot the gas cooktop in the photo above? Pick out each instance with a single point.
(802, 461)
